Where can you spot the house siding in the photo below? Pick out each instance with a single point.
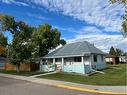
(99, 64)
(77, 68)
(87, 69)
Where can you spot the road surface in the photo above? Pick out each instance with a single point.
(10, 86)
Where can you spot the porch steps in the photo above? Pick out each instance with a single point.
(95, 71)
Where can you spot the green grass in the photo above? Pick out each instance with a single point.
(21, 73)
(114, 75)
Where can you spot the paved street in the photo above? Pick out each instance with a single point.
(10, 86)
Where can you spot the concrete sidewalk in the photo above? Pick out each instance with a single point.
(75, 86)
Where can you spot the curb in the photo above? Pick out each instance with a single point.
(91, 90)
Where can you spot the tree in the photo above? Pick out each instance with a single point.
(45, 38)
(28, 42)
(119, 52)
(116, 52)
(2, 51)
(112, 51)
(124, 23)
(3, 40)
(62, 42)
(20, 50)
(3, 44)
(119, 1)
(8, 23)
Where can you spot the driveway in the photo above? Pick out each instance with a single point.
(10, 86)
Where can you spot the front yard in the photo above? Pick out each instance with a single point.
(114, 75)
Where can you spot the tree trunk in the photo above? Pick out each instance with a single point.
(17, 67)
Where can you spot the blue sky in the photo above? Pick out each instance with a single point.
(96, 21)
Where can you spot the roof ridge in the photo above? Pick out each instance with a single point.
(88, 46)
(62, 47)
(79, 48)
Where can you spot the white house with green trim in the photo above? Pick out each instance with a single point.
(79, 57)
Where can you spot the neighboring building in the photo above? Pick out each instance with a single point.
(2, 63)
(79, 57)
(112, 59)
(123, 59)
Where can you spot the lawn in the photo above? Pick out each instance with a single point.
(114, 75)
(22, 73)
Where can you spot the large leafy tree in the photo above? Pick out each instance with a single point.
(45, 38)
(28, 42)
(3, 40)
(8, 23)
(124, 24)
(20, 49)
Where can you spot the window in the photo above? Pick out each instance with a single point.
(77, 59)
(95, 58)
(102, 58)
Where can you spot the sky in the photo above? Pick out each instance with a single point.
(96, 21)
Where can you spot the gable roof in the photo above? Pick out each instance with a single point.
(74, 49)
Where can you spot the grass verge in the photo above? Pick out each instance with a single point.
(114, 75)
(21, 73)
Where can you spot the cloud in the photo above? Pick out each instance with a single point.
(100, 15)
(95, 36)
(87, 30)
(14, 2)
(37, 16)
(98, 12)
(103, 41)
(7, 1)
(20, 3)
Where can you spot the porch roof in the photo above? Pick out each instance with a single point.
(74, 49)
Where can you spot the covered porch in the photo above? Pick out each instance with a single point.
(77, 64)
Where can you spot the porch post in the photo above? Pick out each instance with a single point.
(41, 63)
(54, 64)
(62, 64)
(53, 60)
(82, 60)
(91, 60)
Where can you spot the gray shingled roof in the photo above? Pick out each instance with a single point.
(74, 49)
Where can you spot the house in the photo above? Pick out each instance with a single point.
(79, 57)
(123, 59)
(112, 59)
